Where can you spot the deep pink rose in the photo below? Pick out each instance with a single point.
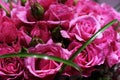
(2, 13)
(85, 8)
(43, 67)
(59, 12)
(11, 68)
(92, 55)
(23, 38)
(41, 31)
(8, 30)
(5, 49)
(69, 2)
(46, 3)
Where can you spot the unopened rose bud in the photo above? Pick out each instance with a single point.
(23, 2)
(36, 41)
(37, 11)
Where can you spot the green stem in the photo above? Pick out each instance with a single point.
(42, 56)
(87, 43)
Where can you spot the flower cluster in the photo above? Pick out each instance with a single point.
(56, 28)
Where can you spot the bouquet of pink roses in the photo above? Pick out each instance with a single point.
(59, 40)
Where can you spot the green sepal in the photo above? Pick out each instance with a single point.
(37, 11)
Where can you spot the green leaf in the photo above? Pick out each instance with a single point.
(43, 56)
(88, 42)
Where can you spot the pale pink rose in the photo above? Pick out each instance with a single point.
(43, 67)
(8, 30)
(91, 56)
(11, 68)
(82, 28)
(41, 31)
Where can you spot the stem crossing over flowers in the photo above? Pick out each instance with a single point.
(52, 39)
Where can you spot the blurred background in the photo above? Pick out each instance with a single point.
(114, 3)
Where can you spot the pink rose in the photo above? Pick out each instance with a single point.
(112, 53)
(46, 3)
(82, 28)
(69, 2)
(41, 31)
(113, 14)
(109, 35)
(11, 68)
(8, 30)
(58, 12)
(22, 14)
(5, 49)
(85, 8)
(43, 67)
(92, 56)
(103, 12)
(23, 38)
(2, 13)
